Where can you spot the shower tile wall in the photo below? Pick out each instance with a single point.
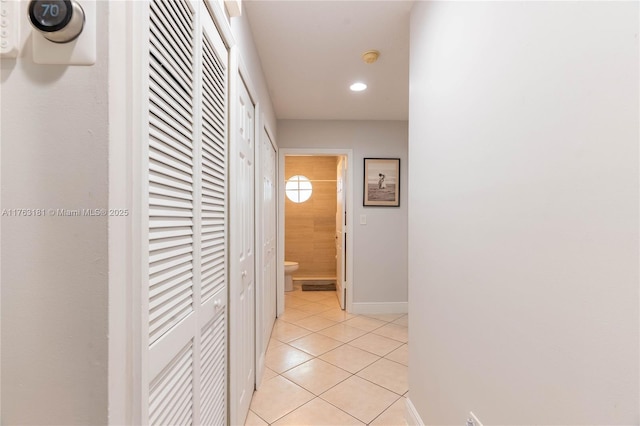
(310, 226)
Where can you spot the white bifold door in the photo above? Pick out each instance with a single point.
(184, 289)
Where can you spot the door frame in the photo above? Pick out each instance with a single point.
(127, 78)
(282, 153)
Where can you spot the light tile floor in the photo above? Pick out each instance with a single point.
(325, 366)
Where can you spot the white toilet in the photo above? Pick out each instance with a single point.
(289, 268)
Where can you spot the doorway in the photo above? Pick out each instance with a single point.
(327, 259)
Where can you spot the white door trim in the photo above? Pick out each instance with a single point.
(282, 153)
(128, 76)
(221, 21)
(119, 238)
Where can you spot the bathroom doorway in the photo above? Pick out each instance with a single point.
(314, 223)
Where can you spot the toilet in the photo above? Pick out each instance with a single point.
(289, 268)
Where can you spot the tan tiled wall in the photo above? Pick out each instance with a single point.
(310, 226)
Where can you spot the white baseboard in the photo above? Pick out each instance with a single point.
(380, 308)
(413, 418)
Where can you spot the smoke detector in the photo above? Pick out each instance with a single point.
(370, 56)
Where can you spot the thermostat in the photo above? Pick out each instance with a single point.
(64, 31)
(59, 21)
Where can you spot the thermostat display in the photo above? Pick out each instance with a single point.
(50, 14)
(59, 21)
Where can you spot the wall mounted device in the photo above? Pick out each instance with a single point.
(9, 28)
(64, 31)
(59, 21)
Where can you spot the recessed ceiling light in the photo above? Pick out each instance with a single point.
(358, 87)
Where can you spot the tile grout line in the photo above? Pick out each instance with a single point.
(341, 381)
(317, 332)
(335, 406)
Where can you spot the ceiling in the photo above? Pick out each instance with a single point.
(310, 53)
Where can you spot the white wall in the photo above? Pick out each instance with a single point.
(244, 38)
(523, 266)
(54, 269)
(380, 246)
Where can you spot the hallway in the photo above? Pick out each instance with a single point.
(326, 366)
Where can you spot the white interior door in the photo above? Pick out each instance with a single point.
(242, 295)
(341, 231)
(267, 294)
(271, 235)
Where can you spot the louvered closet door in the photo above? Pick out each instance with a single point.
(185, 366)
(214, 251)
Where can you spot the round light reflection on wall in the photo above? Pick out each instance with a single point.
(298, 188)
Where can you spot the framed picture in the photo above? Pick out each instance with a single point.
(381, 182)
